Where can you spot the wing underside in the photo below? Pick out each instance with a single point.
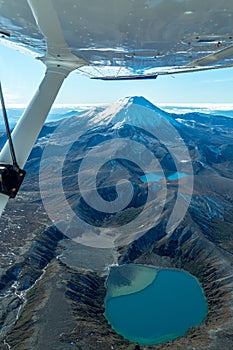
(125, 39)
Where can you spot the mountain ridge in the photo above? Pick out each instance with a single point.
(126, 111)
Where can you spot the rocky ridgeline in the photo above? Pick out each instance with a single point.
(20, 277)
(72, 303)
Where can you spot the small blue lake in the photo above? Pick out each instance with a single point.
(176, 176)
(155, 177)
(151, 177)
(164, 308)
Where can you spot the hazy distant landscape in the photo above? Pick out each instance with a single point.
(52, 288)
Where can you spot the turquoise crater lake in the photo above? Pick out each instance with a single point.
(155, 309)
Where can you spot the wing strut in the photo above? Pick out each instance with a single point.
(59, 62)
(30, 124)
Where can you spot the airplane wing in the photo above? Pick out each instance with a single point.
(111, 40)
(122, 39)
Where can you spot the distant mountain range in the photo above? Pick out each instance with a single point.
(93, 157)
(55, 114)
(62, 112)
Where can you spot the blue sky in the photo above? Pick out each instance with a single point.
(20, 75)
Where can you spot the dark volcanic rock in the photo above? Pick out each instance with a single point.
(41, 252)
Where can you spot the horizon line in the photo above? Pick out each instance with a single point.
(216, 106)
